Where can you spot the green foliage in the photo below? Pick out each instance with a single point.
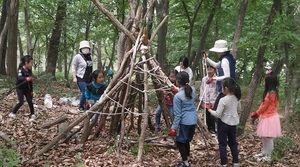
(134, 149)
(282, 146)
(8, 157)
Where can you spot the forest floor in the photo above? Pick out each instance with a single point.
(30, 138)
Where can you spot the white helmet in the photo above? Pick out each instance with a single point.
(84, 44)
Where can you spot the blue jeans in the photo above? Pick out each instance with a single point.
(227, 132)
(158, 115)
(82, 86)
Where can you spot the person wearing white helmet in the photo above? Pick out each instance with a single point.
(82, 67)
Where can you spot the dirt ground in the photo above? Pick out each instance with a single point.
(30, 138)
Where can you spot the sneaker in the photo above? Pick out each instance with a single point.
(258, 155)
(12, 115)
(266, 158)
(81, 109)
(236, 164)
(32, 117)
(182, 164)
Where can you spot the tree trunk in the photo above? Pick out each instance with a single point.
(55, 38)
(162, 9)
(13, 14)
(191, 24)
(239, 26)
(27, 28)
(204, 34)
(259, 67)
(3, 36)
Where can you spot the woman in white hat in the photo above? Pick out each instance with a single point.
(226, 64)
(82, 67)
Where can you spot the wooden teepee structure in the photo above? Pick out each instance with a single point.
(118, 101)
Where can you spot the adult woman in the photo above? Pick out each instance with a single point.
(82, 67)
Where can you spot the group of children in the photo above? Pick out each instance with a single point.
(220, 97)
(221, 102)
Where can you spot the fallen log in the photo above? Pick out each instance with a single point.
(59, 120)
(61, 135)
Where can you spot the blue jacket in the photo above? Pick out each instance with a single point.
(94, 91)
(185, 112)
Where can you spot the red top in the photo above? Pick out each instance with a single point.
(269, 106)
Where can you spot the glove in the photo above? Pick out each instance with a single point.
(31, 94)
(172, 132)
(254, 115)
(209, 80)
(87, 105)
(174, 89)
(28, 79)
(207, 106)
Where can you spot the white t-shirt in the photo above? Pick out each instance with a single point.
(188, 70)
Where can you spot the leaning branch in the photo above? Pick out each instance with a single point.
(114, 20)
(159, 26)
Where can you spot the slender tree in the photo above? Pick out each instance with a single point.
(55, 38)
(259, 66)
(3, 35)
(12, 37)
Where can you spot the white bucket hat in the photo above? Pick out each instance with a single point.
(84, 44)
(220, 46)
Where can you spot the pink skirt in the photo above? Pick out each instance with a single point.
(269, 127)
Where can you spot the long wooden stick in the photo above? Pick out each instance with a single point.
(59, 120)
(113, 19)
(61, 135)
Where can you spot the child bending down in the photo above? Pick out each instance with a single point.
(96, 88)
(269, 123)
(227, 112)
(185, 117)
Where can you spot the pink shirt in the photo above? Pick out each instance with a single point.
(269, 106)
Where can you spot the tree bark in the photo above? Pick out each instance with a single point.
(204, 34)
(3, 36)
(239, 26)
(276, 7)
(27, 28)
(191, 24)
(162, 9)
(13, 14)
(55, 38)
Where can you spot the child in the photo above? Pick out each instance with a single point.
(185, 117)
(208, 95)
(227, 112)
(184, 66)
(24, 86)
(168, 100)
(269, 124)
(96, 88)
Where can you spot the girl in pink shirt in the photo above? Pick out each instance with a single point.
(269, 124)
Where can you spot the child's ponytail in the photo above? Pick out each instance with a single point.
(25, 59)
(183, 79)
